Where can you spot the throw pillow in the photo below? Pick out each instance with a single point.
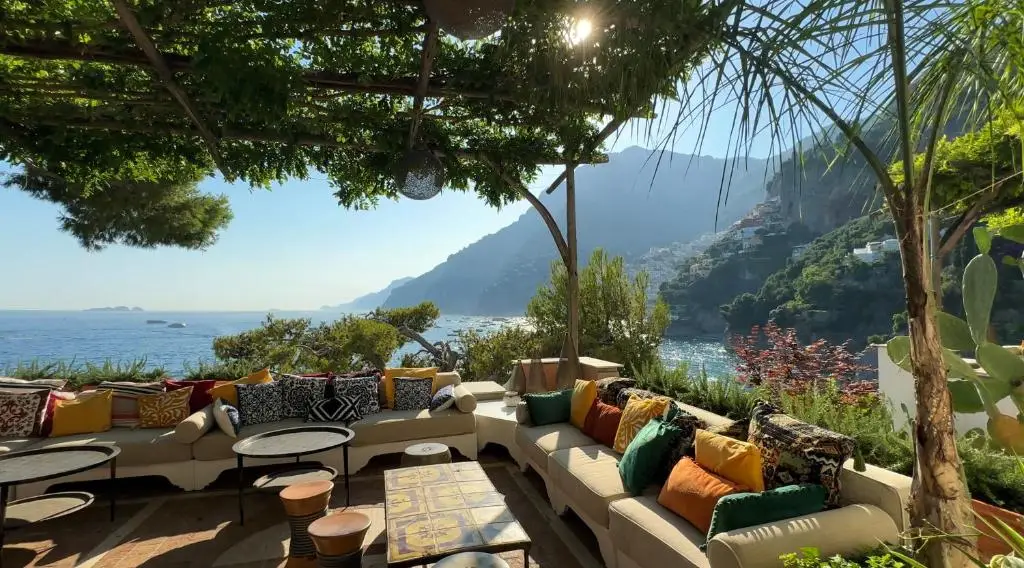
(336, 409)
(226, 417)
(643, 462)
(688, 425)
(391, 374)
(692, 493)
(87, 413)
(164, 410)
(364, 389)
(603, 422)
(465, 401)
(195, 426)
(637, 413)
(125, 407)
(627, 393)
(742, 510)
(412, 393)
(796, 452)
(229, 393)
(298, 393)
(51, 401)
(259, 403)
(584, 393)
(443, 399)
(549, 407)
(10, 384)
(609, 387)
(21, 413)
(739, 462)
(200, 392)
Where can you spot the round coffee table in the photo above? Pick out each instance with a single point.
(41, 464)
(428, 453)
(290, 443)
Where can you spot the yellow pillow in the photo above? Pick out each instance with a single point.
(164, 410)
(737, 461)
(416, 373)
(583, 396)
(229, 393)
(87, 413)
(635, 416)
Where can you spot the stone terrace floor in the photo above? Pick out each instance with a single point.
(159, 526)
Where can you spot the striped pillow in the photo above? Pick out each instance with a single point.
(10, 384)
(124, 411)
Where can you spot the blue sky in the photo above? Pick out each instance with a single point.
(291, 248)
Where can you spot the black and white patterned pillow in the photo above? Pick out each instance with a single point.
(412, 393)
(298, 393)
(362, 388)
(444, 398)
(259, 404)
(337, 409)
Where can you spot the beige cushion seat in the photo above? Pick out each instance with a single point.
(390, 426)
(485, 390)
(14, 444)
(537, 442)
(641, 528)
(589, 478)
(139, 446)
(216, 445)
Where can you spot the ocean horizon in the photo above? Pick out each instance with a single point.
(96, 336)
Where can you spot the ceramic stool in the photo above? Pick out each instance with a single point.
(338, 538)
(472, 560)
(426, 454)
(303, 504)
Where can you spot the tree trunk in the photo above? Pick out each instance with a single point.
(940, 504)
(571, 348)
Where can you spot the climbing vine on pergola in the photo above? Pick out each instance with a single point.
(101, 98)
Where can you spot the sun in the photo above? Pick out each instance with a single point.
(579, 30)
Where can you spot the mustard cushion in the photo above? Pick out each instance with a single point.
(87, 413)
(416, 373)
(164, 410)
(739, 462)
(229, 393)
(635, 416)
(584, 393)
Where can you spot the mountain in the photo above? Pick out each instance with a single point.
(370, 301)
(627, 206)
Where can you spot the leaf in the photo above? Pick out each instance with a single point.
(1003, 368)
(955, 332)
(965, 396)
(979, 290)
(983, 238)
(898, 349)
(957, 368)
(1014, 233)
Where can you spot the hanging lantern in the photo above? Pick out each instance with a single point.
(469, 19)
(420, 175)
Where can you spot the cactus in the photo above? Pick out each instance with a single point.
(1004, 368)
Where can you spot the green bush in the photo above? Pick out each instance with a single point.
(79, 375)
(488, 356)
(723, 396)
(811, 558)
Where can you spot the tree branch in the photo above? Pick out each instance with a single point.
(607, 131)
(427, 61)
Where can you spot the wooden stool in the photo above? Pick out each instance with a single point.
(338, 538)
(472, 560)
(426, 454)
(304, 503)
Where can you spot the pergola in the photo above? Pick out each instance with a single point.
(96, 95)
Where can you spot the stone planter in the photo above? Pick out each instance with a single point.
(989, 544)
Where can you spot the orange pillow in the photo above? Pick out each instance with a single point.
(737, 461)
(692, 493)
(416, 373)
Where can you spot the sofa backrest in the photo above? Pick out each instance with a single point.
(709, 418)
(444, 379)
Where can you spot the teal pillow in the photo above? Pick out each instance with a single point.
(742, 510)
(549, 407)
(643, 463)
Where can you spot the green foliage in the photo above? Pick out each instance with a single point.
(617, 320)
(488, 356)
(418, 318)
(722, 396)
(219, 370)
(810, 557)
(79, 375)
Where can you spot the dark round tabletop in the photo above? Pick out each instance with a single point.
(48, 463)
(293, 442)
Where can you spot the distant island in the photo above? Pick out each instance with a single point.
(115, 309)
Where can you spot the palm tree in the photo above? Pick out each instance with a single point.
(836, 68)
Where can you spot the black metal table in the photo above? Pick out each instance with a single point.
(287, 443)
(28, 466)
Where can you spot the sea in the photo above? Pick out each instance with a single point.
(79, 337)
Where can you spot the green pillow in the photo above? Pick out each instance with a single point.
(643, 462)
(741, 510)
(549, 407)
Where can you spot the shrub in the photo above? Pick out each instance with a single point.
(79, 375)
(488, 356)
(811, 558)
(723, 396)
(218, 370)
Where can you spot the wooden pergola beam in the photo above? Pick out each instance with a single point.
(131, 23)
(426, 63)
(607, 131)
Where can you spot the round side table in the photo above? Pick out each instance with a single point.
(429, 453)
(304, 503)
(472, 560)
(338, 538)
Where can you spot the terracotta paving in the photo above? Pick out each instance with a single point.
(161, 528)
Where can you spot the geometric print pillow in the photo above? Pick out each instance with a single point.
(343, 408)
(298, 393)
(412, 393)
(363, 389)
(259, 404)
(164, 410)
(21, 414)
(794, 452)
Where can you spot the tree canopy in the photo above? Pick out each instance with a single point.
(268, 90)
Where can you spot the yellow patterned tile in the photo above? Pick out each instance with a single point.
(438, 491)
(449, 519)
(406, 502)
(410, 546)
(446, 503)
(502, 533)
(416, 524)
(470, 475)
(434, 474)
(484, 515)
(468, 487)
(401, 479)
(484, 500)
(457, 538)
